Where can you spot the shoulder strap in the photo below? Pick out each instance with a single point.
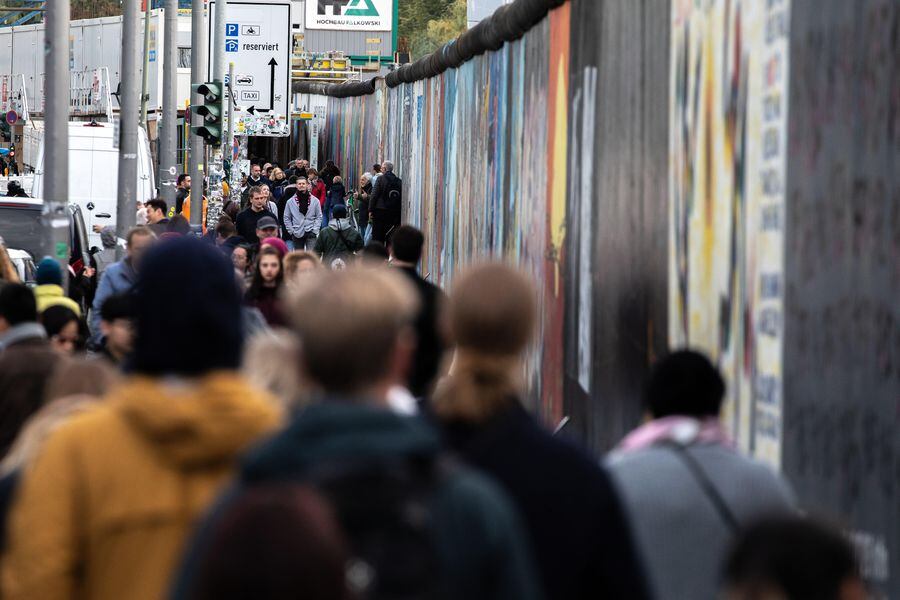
(343, 240)
(702, 479)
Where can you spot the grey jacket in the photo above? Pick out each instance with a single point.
(299, 225)
(683, 539)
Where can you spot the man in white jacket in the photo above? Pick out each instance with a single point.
(303, 217)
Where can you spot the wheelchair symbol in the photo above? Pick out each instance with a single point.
(231, 45)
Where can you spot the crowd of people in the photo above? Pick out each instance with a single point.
(285, 407)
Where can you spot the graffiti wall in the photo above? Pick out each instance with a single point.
(728, 130)
(720, 174)
(472, 149)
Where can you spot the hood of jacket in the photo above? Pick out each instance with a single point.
(196, 423)
(339, 428)
(340, 224)
(23, 332)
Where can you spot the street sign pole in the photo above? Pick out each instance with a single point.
(168, 134)
(145, 71)
(198, 75)
(128, 121)
(228, 142)
(56, 133)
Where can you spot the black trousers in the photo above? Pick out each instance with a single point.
(383, 223)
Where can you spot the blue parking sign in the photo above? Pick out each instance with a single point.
(231, 29)
(231, 45)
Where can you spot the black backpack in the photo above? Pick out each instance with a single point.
(393, 192)
(383, 507)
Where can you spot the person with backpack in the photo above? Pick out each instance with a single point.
(418, 524)
(337, 242)
(386, 203)
(303, 217)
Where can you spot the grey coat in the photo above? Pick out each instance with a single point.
(681, 536)
(299, 225)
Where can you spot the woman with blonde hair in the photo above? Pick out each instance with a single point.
(578, 527)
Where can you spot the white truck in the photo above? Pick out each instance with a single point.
(94, 174)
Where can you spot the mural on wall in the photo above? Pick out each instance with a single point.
(471, 148)
(728, 124)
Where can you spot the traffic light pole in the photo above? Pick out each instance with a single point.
(198, 76)
(128, 120)
(56, 132)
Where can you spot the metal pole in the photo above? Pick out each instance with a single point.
(218, 65)
(128, 120)
(228, 142)
(198, 75)
(56, 132)
(168, 133)
(145, 71)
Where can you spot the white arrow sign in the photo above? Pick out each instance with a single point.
(258, 42)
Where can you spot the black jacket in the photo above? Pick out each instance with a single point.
(578, 526)
(246, 223)
(431, 345)
(362, 205)
(380, 200)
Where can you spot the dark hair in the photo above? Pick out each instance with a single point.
(181, 178)
(376, 168)
(293, 179)
(17, 304)
(256, 285)
(117, 306)
(55, 317)
(375, 249)
(179, 224)
(798, 557)
(225, 229)
(254, 190)
(274, 541)
(158, 203)
(205, 333)
(684, 382)
(406, 244)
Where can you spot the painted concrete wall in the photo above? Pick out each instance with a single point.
(715, 174)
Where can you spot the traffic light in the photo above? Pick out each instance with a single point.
(210, 110)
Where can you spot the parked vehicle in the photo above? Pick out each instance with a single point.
(24, 264)
(20, 228)
(94, 172)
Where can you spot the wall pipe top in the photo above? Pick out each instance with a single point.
(508, 23)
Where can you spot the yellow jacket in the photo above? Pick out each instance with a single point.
(50, 294)
(104, 510)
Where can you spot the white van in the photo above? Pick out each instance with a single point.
(94, 173)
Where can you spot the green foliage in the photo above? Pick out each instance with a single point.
(429, 24)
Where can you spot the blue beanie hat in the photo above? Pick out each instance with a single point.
(48, 271)
(188, 310)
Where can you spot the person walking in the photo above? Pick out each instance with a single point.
(687, 489)
(182, 191)
(156, 216)
(26, 361)
(328, 174)
(386, 203)
(361, 198)
(63, 329)
(120, 277)
(248, 219)
(303, 218)
(334, 197)
(265, 286)
(317, 188)
(417, 529)
(406, 252)
(105, 509)
(49, 291)
(578, 525)
(339, 241)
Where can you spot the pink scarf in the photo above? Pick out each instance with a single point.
(679, 429)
